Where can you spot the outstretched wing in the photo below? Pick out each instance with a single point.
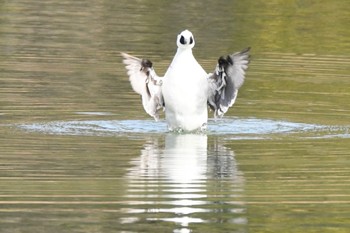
(227, 78)
(145, 82)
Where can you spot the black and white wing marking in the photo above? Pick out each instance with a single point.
(227, 78)
(145, 82)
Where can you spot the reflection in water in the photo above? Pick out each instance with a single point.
(186, 182)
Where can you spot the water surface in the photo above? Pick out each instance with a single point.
(78, 153)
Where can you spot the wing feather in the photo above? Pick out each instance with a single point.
(227, 78)
(145, 82)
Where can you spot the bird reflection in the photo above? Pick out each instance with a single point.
(186, 180)
(184, 158)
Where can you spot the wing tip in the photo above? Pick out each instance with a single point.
(124, 55)
(128, 56)
(244, 54)
(246, 50)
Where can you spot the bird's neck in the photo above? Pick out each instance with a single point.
(181, 52)
(184, 50)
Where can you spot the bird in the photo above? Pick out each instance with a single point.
(186, 90)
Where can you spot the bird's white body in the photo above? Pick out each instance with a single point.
(185, 88)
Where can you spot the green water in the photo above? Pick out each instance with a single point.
(78, 153)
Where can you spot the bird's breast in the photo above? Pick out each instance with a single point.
(184, 89)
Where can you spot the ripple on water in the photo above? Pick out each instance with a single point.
(236, 128)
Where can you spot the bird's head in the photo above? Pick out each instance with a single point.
(185, 40)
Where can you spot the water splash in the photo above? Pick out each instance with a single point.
(235, 128)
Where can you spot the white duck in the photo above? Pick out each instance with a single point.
(186, 90)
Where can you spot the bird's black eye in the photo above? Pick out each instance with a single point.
(182, 40)
(191, 40)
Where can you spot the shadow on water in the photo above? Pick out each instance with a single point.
(234, 128)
